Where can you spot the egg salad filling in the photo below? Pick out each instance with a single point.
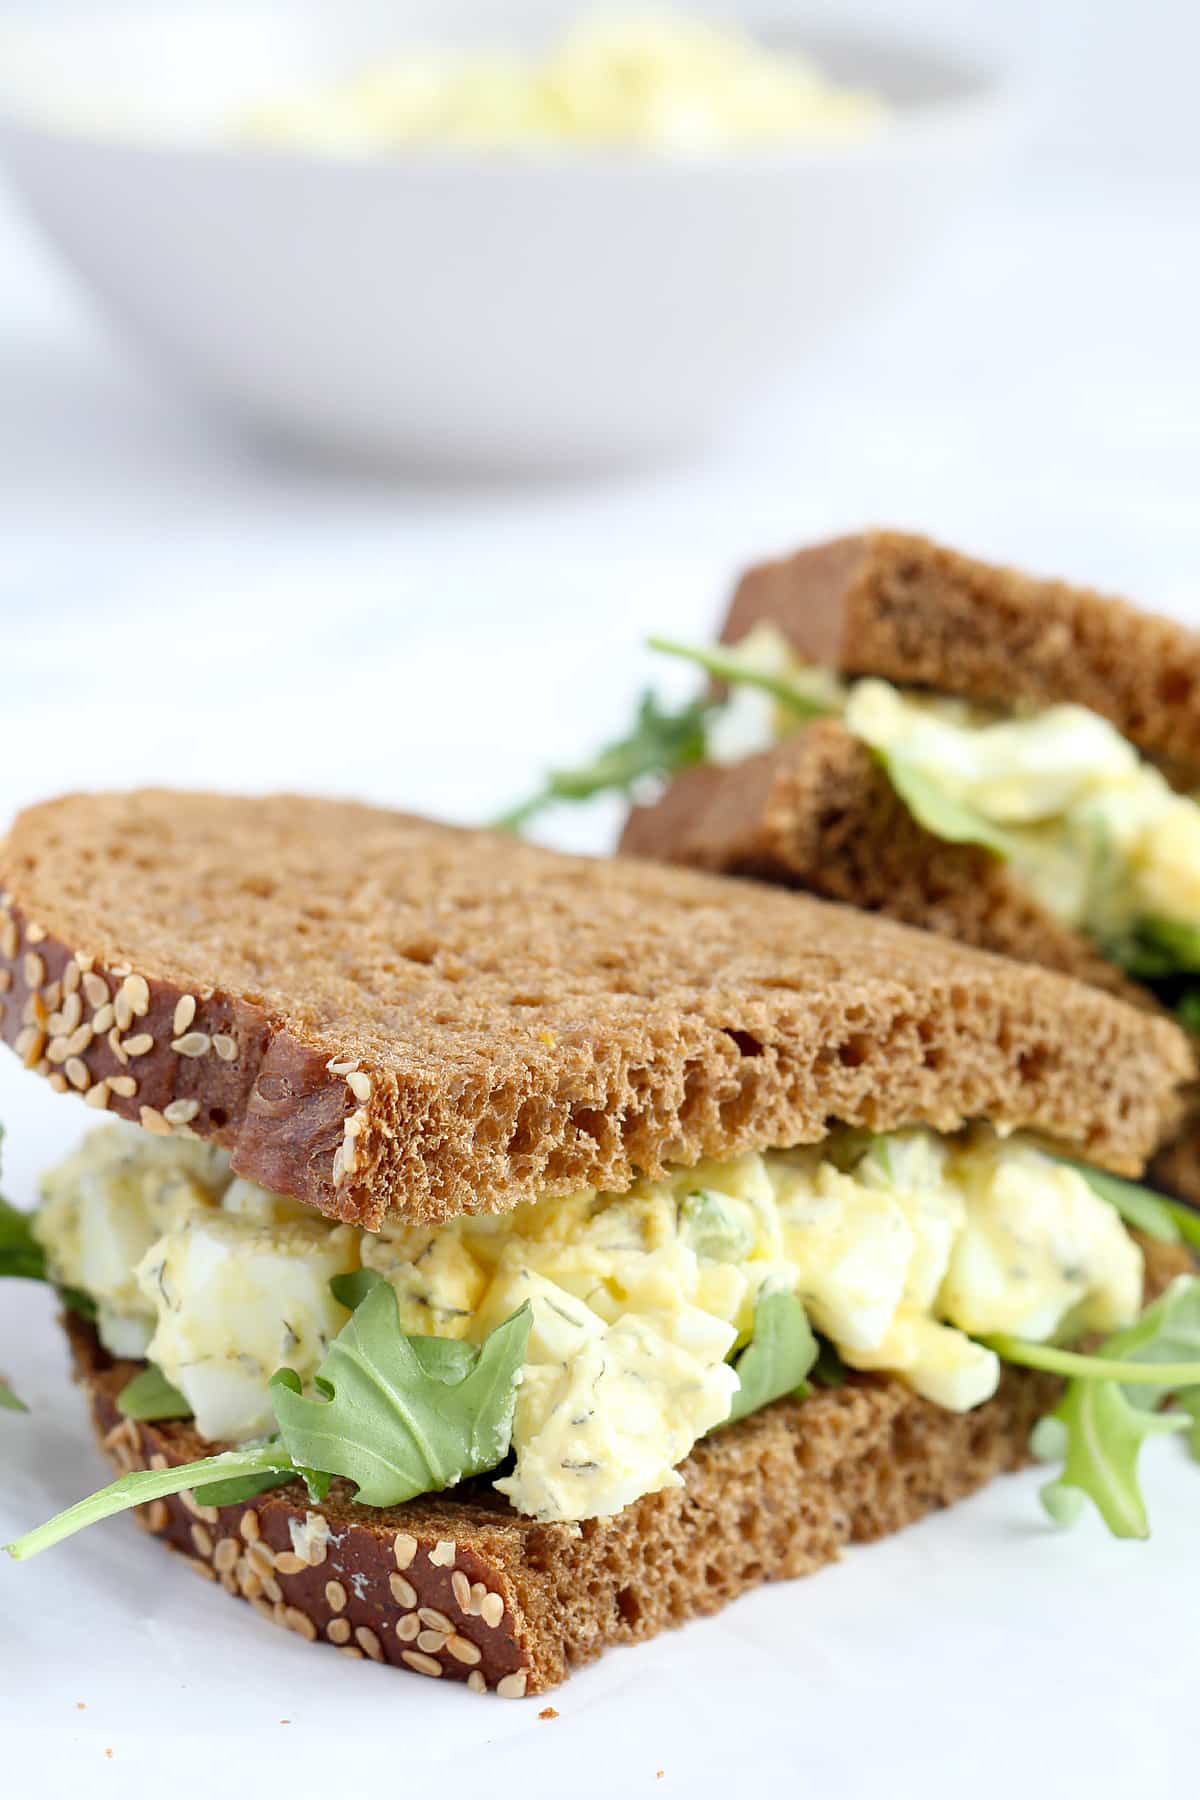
(1094, 831)
(658, 82)
(901, 1249)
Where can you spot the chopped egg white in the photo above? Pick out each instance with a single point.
(1095, 833)
(237, 1299)
(659, 82)
(902, 1248)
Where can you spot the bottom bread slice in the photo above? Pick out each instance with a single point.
(460, 1587)
(818, 813)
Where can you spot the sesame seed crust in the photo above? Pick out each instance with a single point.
(328, 1577)
(431, 1021)
(773, 1497)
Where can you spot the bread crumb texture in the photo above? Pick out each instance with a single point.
(458, 1587)
(372, 1011)
(890, 604)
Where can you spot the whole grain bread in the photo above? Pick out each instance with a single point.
(372, 1011)
(886, 603)
(460, 1587)
(818, 813)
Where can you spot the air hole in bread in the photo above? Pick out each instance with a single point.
(421, 950)
(591, 1123)
(531, 1123)
(855, 1050)
(218, 1117)
(629, 1605)
(746, 1042)
(1033, 1063)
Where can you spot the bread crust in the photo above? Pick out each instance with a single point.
(459, 1587)
(407, 1016)
(891, 604)
(817, 812)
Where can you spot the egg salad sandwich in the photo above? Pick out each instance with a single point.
(1010, 761)
(482, 1256)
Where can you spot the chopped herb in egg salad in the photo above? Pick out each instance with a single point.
(574, 1350)
(1096, 833)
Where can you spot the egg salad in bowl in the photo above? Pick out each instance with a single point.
(903, 1255)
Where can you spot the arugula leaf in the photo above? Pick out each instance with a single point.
(404, 1416)
(9, 1401)
(20, 1253)
(731, 668)
(1177, 944)
(400, 1416)
(23, 1257)
(1187, 1011)
(829, 1371)
(351, 1290)
(151, 1396)
(778, 1356)
(239, 1489)
(1107, 1412)
(244, 1487)
(660, 744)
(1154, 1214)
(148, 1484)
(939, 812)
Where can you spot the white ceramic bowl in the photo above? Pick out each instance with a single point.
(461, 308)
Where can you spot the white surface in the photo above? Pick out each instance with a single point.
(174, 608)
(469, 308)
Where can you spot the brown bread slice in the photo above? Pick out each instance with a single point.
(460, 1587)
(886, 603)
(818, 813)
(374, 1011)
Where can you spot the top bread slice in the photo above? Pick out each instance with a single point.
(885, 603)
(374, 1012)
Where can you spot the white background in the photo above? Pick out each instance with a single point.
(175, 608)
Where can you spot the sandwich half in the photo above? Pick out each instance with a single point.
(491, 1256)
(1009, 761)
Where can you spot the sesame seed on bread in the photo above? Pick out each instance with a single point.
(889, 604)
(373, 1011)
(459, 1587)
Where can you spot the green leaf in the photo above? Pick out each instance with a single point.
(23, 1257)
(9, 1401)
(939, 812)
(778, 1357)
(1187, 1011)
(1106, 1418)
(351, 1290)
(829, 1371)
(239, 1489)
(731, 668)
(1176, 945)
(659, 745)
(1139, 1206)
(151, 1396)
(20, 1253)
(1154, 1214)
(148, 1484)
(404, 1416)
